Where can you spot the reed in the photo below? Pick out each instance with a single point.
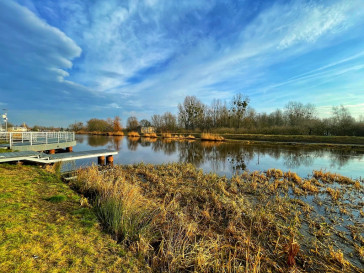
(179, 219)
(150, 135)
(119, 133)
(133, 134)
(211, 137)
(166, 135)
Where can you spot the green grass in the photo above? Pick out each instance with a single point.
(56, 198)
(43, 228)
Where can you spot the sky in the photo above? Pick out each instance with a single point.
(72, 60)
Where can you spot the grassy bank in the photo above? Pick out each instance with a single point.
(299, 138)
(44, 227)
(344, 140)
(181, 220)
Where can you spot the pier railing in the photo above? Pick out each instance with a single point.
(35, 138)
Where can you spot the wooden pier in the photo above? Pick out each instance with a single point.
(44, 158)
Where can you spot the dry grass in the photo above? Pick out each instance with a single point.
(166, 135)
(211, 137)
(181, 220)
(133, 134)
(150, 135)
(332, 177)
(119, 133)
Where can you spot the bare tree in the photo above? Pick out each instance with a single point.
(132, 123)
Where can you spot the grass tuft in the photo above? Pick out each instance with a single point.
(56, 198)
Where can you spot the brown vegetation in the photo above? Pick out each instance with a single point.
(150, 135)
(211, 137)
(179, 219)
(133, 134)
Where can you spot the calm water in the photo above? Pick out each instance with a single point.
(225, 158)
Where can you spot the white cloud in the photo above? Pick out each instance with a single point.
(147, 55)
(35, 62)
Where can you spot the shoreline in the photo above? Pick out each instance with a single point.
(170, 205)
(320, 141)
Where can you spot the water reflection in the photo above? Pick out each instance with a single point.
(133, 143)
(236, 155)
(97, 141)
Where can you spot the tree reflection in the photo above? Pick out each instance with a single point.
(97, 141)
(117, 142)
(133, 143)
(236, 155)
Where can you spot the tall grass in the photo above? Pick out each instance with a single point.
(133, 134)
(118, 133)
(166, 135)
(119, 205)
(150, 135)
(211, 137)
(181, 220)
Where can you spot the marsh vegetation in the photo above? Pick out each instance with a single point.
(180, 219)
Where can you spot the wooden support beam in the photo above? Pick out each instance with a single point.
(101, 160)
(110, 160)
(69, 149)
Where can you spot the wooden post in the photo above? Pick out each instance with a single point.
(101, 160)
(52, 152)
(110, 160)
(69, 149)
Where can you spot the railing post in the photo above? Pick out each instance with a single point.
(31, 138)
(10, 140)
(46, 138)
(58, 136)
(22, 137)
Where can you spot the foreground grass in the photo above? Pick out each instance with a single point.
(43, 228)
(181, 220)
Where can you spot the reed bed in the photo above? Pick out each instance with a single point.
(133, 134)
(166, 135)
(150, 135)
(119, 133)
(179, 219)
(211, 137)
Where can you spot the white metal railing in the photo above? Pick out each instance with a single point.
(35, 138)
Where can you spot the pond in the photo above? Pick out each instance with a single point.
(226, 158)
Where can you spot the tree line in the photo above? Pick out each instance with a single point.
(236, 116)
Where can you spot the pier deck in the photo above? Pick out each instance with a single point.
(44, 158)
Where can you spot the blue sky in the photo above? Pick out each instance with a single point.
(70, 60)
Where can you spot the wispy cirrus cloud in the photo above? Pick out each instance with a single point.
(144, 57)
